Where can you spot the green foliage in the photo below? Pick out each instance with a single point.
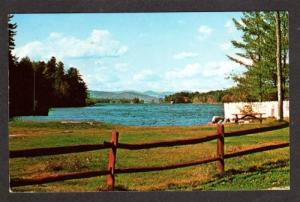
(95, 101)
(34, 87)
(37, 86)
(211, 97)
(11, 33)
(258, 55)
(180, 97)
(137, 101)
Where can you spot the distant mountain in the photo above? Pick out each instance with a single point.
(122, 95)
(157, 94)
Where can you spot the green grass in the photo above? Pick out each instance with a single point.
(268, 175)
(250, 172)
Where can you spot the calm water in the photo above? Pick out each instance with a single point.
(136, 114)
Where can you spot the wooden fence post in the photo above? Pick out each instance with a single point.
(220, 148)
(112, 160)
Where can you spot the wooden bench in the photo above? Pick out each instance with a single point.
(248, 116)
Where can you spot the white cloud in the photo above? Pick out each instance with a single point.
(219, 69)
(143, 75)
(242, 59)
(203, 29)
(192, 77)
(204, 32)
(99, 62)
(122, 67)
(229, 26)
(188, 71)
(55, 35)
(225, 46)
(27, 49)
(200, 77)
(196, 70)
(100, 43)
(183, 55)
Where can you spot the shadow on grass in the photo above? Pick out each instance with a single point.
(230, 174)
(117, 188)
(264, 168)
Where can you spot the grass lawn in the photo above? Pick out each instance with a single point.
(250, 172)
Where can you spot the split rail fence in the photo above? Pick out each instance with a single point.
(113, 145)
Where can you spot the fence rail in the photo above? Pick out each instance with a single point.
(114, 145)
(106, 145)
(255, 150)
(256, 130)
(167, 143)
(56, 150)
(55, 178)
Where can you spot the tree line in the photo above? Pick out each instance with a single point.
(136, 100)
(211, 97)
(36, 86)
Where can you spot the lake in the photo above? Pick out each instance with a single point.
(136, 114)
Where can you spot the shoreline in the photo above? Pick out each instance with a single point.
(67, 122)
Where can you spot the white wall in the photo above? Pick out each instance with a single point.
(269, 108)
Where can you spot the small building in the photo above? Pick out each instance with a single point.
(268, 108)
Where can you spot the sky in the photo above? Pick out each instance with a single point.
(136, 51)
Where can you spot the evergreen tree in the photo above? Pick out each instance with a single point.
(49, 74)
(43, 89)
(77, 93)
(253, 30)
(11, 33)
(50, 69)
(258, 55)
(12, 62)
(60, 84)
(25, 87)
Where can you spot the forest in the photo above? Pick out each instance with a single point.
(36, 86)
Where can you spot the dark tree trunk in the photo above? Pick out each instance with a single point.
(279, 68)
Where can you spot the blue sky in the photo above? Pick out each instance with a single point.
(135, 51)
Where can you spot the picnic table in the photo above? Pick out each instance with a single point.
(243, 116)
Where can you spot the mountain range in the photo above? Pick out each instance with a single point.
(147, 96)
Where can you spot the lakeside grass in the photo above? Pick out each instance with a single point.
(251, 172)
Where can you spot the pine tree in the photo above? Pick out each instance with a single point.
(59, 84)
(11, 33)
(77, 88)
(252, 80)
(258, 55)
(13, 85)
(25, 87)
(43, 89)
